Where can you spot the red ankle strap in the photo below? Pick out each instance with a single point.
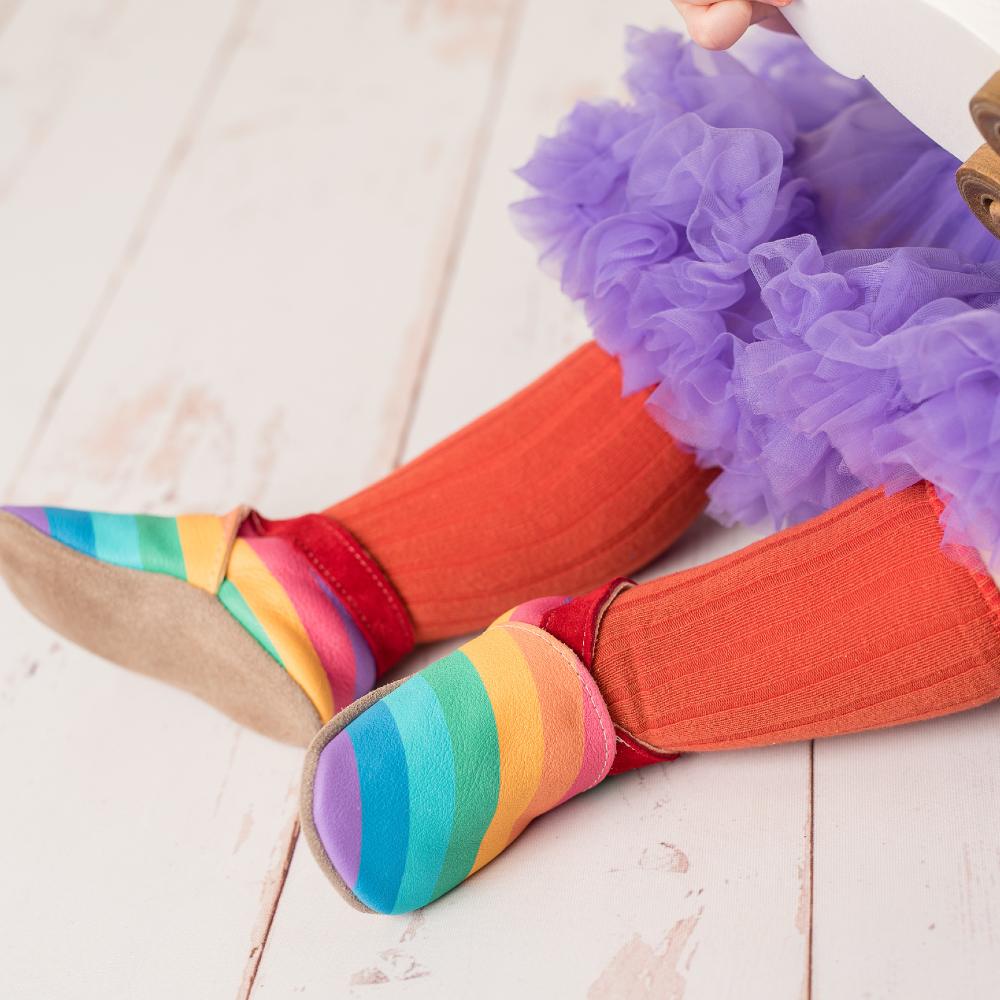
(576, 624)
(358, 580)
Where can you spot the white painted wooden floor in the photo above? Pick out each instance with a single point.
(237, 233)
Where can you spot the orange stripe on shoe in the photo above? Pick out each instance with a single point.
(205, 547)
(276, 614)
(510, 686)
(562, 729)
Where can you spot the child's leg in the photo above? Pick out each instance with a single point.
(560, 488)
(855, 620)
(852, 621)
(563, 485)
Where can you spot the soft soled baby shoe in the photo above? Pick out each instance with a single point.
(418, 785)
(277, 623)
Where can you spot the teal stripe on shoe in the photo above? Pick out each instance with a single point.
(385, 808)
(73, 528)
(116, 539)
(431, 771)
(160, 546)
(475, 749)
(232, 600)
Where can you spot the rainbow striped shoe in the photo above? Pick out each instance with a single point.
(420, 784)
(277, 623)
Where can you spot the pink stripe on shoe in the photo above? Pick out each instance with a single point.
(322, 622)
(532, 612)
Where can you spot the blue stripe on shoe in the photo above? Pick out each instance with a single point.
(420, 719)
(385, 806)
(73, 528)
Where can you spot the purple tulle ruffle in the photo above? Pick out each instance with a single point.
(788, 262)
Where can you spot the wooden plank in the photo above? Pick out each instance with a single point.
(8, 8)
(907, 863)
(682, 880)
(688, 879)
(257, 349)
(94, 97)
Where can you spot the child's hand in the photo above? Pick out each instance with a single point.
(717, 24)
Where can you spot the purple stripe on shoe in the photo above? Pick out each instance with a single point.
(364, 661)
(35, 516)
(337, 806)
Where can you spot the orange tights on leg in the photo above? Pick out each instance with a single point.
(554, 491)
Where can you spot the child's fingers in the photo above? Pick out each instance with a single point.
(716, 25)
(711, 3)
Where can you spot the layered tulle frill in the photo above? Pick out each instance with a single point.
(788, 262)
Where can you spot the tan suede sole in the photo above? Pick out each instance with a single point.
(327, 733)
(155, 625)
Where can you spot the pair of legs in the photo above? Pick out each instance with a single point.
(854, 620)
(851, 621)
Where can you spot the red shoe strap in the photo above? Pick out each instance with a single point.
(576, 624)
(356, 578)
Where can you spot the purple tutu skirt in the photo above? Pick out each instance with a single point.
(788, 261)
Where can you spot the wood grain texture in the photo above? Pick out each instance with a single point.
(907, 861)
(94, 99)
(641, 888)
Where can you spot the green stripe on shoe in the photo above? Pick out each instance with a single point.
(160, 546)
(232, 600)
